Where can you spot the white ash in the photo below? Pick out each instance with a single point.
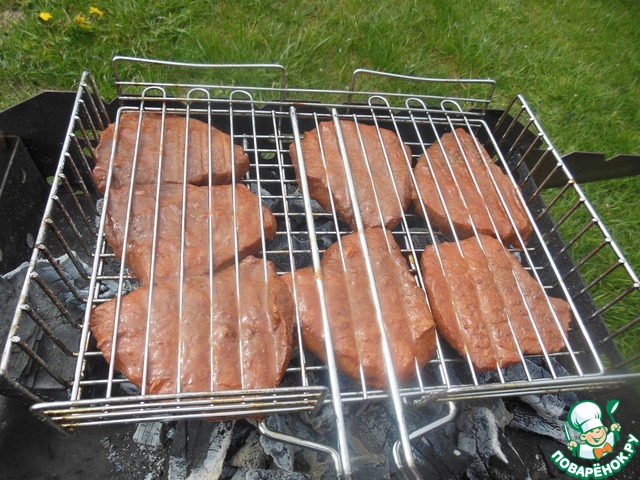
(219, 442)
(367, 467)
(251, 455)
(479, 434)
(178, 468)
(540, 413)
(371, 430)
(149, 434)
(9, 294)
(132, 460)
(371, 436)
(525, 418)
(267, 475)
(550, 406)
(482, 428)
(281, 453)
(99, 205)
(318, 466)
(322, 423)
(494, 455)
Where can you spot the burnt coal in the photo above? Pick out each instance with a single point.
(540, 414)
(477, 445)
(550, 405)
(526, 418)
(149, 434)
(63, 321)
(322, 423)
(371, 436)
(495, 457)
(437, 454)
(421, 237)
(251, 455)
(9, 294)
(267, 475)
(292, 458)
(371, 430)
(282, 453)
(48, 275)
(324, 225)
(198, 449)
(484, 430)
(269, 200)
(236, 451)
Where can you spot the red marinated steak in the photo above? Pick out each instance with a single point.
(197, 256)
(241, 339)
(481, 297)
(454, 171)
(351, 311)
(171, 142)
(382, 198)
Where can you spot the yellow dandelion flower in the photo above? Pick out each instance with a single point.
(81, 21)
(45, 16)
(96, 11)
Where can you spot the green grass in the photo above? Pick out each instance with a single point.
(577, 63)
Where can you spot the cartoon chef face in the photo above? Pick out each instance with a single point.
(597, 440)
(595, 437)
(585, 417)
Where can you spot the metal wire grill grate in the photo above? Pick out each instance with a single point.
(515, 141)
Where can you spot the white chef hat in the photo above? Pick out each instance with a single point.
(585, 416)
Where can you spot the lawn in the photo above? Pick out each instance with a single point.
(577, 63)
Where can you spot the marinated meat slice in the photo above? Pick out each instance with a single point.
(171, 142)
(199, 217)
(372, 152)
(240, 339)
(351, 309)
(454, 171)
(485, 303)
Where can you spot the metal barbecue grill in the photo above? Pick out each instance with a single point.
(51, 360)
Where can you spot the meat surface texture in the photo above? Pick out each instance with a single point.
(230, 340)
(485, 303)
(351, 310)
(474, 189)
(372, 154)
(199, 222)
(169, 140)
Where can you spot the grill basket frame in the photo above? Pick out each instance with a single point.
(514, 136)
